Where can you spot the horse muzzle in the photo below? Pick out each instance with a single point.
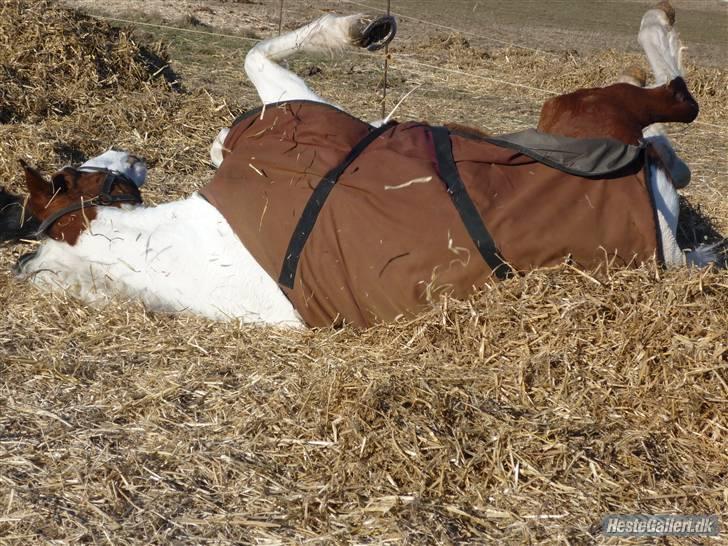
(15, 222)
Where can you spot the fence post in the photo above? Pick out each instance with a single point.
(386, 69)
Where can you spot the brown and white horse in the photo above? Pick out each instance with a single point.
(98, 241)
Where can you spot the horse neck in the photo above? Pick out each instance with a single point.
(180, 256)
(156, 247)
(133, 245)
(125, 229)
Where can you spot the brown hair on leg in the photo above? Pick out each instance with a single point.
(634, 75)
(666, 6)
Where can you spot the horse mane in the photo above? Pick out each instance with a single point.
(466, 130)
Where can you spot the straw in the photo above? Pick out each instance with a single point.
(521, 415)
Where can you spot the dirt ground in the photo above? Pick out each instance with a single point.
(556, 25)
(520, 416)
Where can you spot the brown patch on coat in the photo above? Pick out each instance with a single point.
(665, 6)
(620, 111)
(466, 130)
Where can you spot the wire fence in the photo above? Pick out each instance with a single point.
(453, 29)
(399, 59)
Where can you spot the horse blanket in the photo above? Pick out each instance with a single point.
(361, 224)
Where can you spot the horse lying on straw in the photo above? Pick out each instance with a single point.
(315, 217)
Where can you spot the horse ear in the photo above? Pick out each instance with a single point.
(34, 181)
(37, 185)
(59, 182)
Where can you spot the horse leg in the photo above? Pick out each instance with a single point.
(667, 201)
(669, 98)
(663, 49)
(661, 43)
(328, 34)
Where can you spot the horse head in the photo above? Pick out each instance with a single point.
(66, 204)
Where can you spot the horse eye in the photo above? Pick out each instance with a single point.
(59, 183)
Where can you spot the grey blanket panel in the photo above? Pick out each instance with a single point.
(590, 158)
(581, 157)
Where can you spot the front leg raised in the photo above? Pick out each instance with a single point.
(330, 34)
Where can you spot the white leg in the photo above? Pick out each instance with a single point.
(217, 147)
(661, 43)
(274, 83)
(663, 48)
(668, 173)
(329, 34)
(676, 168)
(667, 203)
(664, 52)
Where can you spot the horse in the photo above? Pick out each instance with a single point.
(99, 241)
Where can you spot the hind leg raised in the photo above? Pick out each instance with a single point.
(663, 49)
(661, 43)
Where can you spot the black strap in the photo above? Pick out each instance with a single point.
(315, 204)
(464, 204)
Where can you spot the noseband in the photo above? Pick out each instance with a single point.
(104, 198)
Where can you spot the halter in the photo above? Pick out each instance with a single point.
(104, 198)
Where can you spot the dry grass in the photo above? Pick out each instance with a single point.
(71, 86)
(54, 62)
(522, 415)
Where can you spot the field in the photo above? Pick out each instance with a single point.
(523, 415)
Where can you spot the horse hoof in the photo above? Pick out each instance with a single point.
(665, 6)
(377, 33)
